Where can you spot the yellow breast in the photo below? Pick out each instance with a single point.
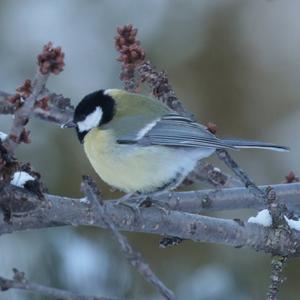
(132, 168)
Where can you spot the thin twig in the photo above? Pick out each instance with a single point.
(3, 95)
(131, 55)
(23, 114)
(162, 89)
(277, 265)
(20, 282)
(59, 109)
(206, 172)
(133, 256)
(241, 174)
(51, 60)
(277, 210)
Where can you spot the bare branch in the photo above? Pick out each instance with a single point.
(162, 90)
(205, 172)
(190, 201)
(19, 282)
(60, 211)
(4, 95)
(23, 114)
(240, 173)
(51, 60)
(277, 210)
(228, 199)
(134, 257)
(59, 108)
(131, 55)
(5, 106)
(278, 263)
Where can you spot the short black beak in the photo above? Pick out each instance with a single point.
(69, 124)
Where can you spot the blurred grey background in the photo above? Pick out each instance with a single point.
(236, 63)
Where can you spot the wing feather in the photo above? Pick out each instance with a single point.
(177, 131)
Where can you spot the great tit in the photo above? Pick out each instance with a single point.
(137, 144)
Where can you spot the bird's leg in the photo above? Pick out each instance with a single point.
(124, 198)
(137, 200)
(130, 203)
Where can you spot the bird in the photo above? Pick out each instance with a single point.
(137, 144)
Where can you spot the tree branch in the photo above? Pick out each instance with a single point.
(277, 210)
(135, 258)
(241, 174)
(228, 199)
(61, 211)
(51, 60)
(277, 265)
(23, 114)
(19, 282)
(59, 108)
(190, 201)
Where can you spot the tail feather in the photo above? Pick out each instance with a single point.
(240, 144)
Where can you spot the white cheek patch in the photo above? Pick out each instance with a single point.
(91, 121)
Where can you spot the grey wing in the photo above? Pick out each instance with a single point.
(174, 130)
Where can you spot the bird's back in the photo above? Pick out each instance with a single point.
(134, 112)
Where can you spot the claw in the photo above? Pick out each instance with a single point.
(146, 201)
(132, 205)
(124, 199)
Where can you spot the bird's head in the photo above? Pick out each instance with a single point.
(92, 111)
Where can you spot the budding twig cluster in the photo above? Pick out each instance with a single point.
(51, 60)
(131, 54)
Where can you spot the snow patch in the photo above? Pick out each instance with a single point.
(293, 224)
(20, 178)
(84, 200)
(263, 218)
(3, 136)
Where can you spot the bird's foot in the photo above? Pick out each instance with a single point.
(124, 199)
(130, 201)
(149, 200)
(135, 202)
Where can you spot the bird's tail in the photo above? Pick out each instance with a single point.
(241, 144)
